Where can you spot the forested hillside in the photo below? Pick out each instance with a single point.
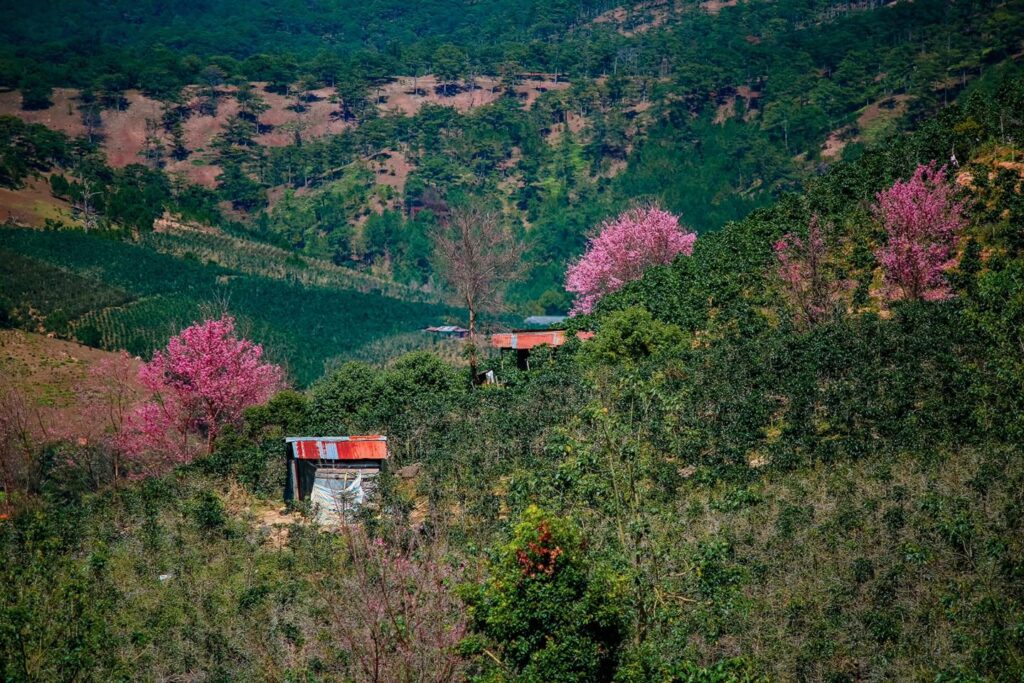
(346, 134)
(791, 453)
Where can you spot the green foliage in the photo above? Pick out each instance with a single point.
(356, 397)
(27, 149)
(726, 497)
(553, 614)
(164, 293)
(35, 291)
(631, 336)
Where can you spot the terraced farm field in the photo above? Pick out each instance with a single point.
(112, 294)
(266, 260)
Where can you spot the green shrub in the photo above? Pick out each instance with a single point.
(553, 613)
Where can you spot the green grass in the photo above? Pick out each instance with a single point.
(265, 260)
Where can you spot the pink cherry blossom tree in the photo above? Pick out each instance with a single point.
(808, 285)
(923, 220)
(201, 382)
(624, 248)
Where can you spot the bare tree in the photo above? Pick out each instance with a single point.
(476, 252)
(400, 620)
(19, 457)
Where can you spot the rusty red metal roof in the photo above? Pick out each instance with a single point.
(528, 339)
(367, 447)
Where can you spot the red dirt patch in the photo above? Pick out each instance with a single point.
(747, 93)
(125, 130)
(716, 6)
(835, 143)
(573, 121)
(405, 94)
(62, 116)
(640, 19)
(725, 111)
(890, 107)
(391, 168)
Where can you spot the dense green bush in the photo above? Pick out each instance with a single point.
(553, 614)
(135, 298)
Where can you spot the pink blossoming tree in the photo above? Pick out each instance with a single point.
(810, 289)
(624, 248)
(923, 221)
(201, 382)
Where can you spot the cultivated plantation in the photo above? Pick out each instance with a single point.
(512, 341)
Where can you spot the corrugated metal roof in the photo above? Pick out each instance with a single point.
(545, 319)
(448, 329)
(531, 338)
(368, 447)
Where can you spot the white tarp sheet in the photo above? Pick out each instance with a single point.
(334, 498)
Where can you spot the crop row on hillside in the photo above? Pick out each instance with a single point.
(266, 260)
(301, 325)
(54, 295)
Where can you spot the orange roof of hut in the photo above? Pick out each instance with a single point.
(368, 447)
(528, 339)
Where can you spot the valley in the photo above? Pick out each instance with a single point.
(512, 341)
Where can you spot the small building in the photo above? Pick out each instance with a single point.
(523, 341)
(336, 474)
(449, 331)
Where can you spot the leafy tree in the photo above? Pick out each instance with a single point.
(631, 336)
(450, 65)
(35, 93)
(552, 611)
(250, 104)
(236, 186)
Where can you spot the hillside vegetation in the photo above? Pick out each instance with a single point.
(346, 134)
(715, 487)
(117, 295)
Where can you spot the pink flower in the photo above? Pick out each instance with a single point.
(808, 286)
(624, 248)
(923, 222)
(203, 381)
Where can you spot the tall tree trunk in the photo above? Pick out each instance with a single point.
(472, 342)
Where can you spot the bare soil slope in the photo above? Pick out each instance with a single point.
(61, 395)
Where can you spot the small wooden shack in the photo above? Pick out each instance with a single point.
(336, 474)
(523, 341)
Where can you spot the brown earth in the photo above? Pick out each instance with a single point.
(642, 18)
(124, 130)
(875, 114)
(835, 143)
(62, 116)
(392, 168)
(406, 95)
(887, 108)
(726, 110)
(575, 123)
(62, 399)
(716, 6)
(33, 204)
